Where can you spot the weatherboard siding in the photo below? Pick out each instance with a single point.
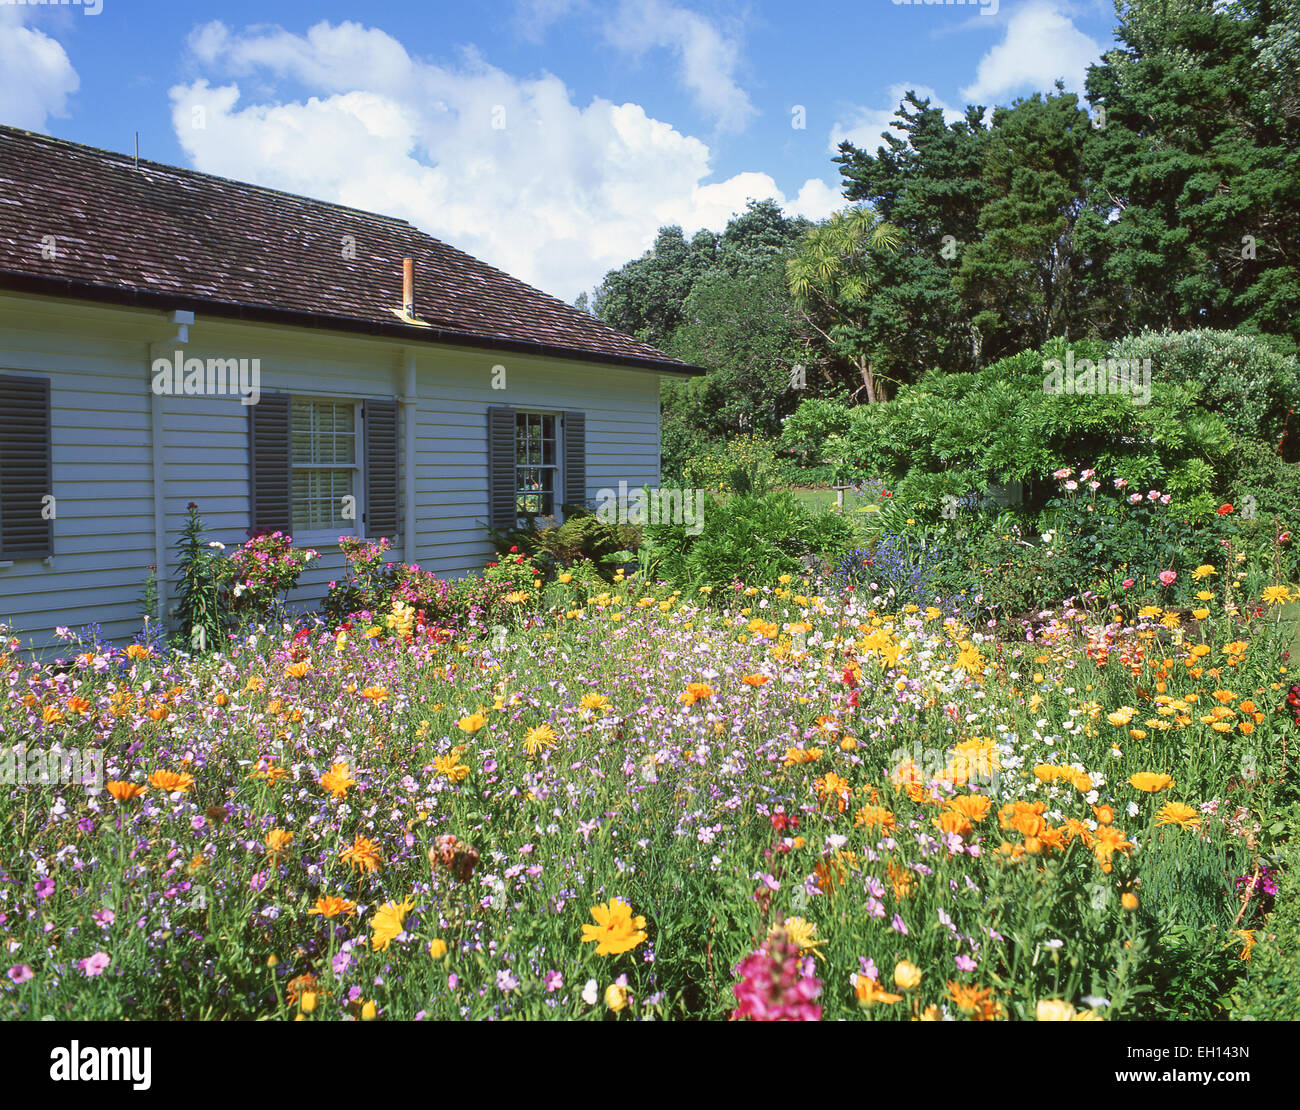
(99, 361)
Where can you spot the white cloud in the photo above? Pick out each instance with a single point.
(36, 77)
(866, 125)
(707, 58)
(1040, 45)
(557, 195)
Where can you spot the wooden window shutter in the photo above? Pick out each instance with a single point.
(503, 511)
(383, 499)
(270, 468)
(575, 458)
(25, 471)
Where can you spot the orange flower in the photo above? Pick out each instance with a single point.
(138, 651)
(124, 791)
(869, 817)
(755, 679)
(952, 821)
(696, 691)
(77, 705)
(869, 992)
(297, 670)
(364, 854)
(337, 780)
(832, 786)
(277, 842)
(974, 807)
(157, 713)
(169, 781)
(332, 906)
(375, 693)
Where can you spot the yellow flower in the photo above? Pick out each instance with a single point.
(437, 948)
(1054, 1009)
(472, 723)
(615, 997)
(594, 702)
(616, 930)
(368, 1012)
(802, 933)
(536, 739)
(375, 693)
(906, 975)
(1180, 814)
(1150, 782)
(388, 923)
(450, 767)
(1203, 571)
(1275, 595)
(308, 1001)
(566, 577)
(1129, 900)
(277, 842)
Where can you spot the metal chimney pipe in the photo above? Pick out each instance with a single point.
(408, 287)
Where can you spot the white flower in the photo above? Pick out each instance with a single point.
(1133, 810)
(217, 544)
(589, 992)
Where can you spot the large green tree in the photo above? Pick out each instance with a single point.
(1194, 168)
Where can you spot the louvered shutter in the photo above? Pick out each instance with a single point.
(382, 497)
(575, 458)
(270, 467)
(25, 472)
(503, 512)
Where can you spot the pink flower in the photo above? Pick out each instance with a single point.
(1064, 472)
(776, 986)
(1071, 485)
(19, 974)
(1134, 498)
(1120, 483)
(94, 965)
(1128, 583)
(1167, 577)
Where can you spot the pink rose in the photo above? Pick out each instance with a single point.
(1167, 577)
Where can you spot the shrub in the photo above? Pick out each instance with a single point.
(751, 537)
(372, 583)
(1242, 378)
(258, 572)
(201, 610)
(744, 464)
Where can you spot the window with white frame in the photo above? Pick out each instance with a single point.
(325, 455)
(537, 463)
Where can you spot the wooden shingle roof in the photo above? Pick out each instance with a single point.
(155, 235)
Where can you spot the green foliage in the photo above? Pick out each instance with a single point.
(808, 428)
(200, 610)
(743, 464)
(583, 537)
(1271, 991)
(750, 538)
(373, 582)
(1243, 379)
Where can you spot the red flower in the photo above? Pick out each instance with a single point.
(1224, 510)
(514, 551)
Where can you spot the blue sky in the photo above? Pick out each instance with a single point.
(548, 137)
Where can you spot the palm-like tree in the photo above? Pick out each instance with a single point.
(831, 279)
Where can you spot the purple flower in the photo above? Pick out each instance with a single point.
(44, 888)
(898, 925)
(20, 974)
(103, 918)
(964, 963)
(506, 982)
(554, 981)
(341, 962)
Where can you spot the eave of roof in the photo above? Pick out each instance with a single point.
(266, 314)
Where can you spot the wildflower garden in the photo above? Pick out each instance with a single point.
(576, 787)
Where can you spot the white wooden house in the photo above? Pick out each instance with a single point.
(421, 412)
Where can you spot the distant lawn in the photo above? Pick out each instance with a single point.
(815, 498)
